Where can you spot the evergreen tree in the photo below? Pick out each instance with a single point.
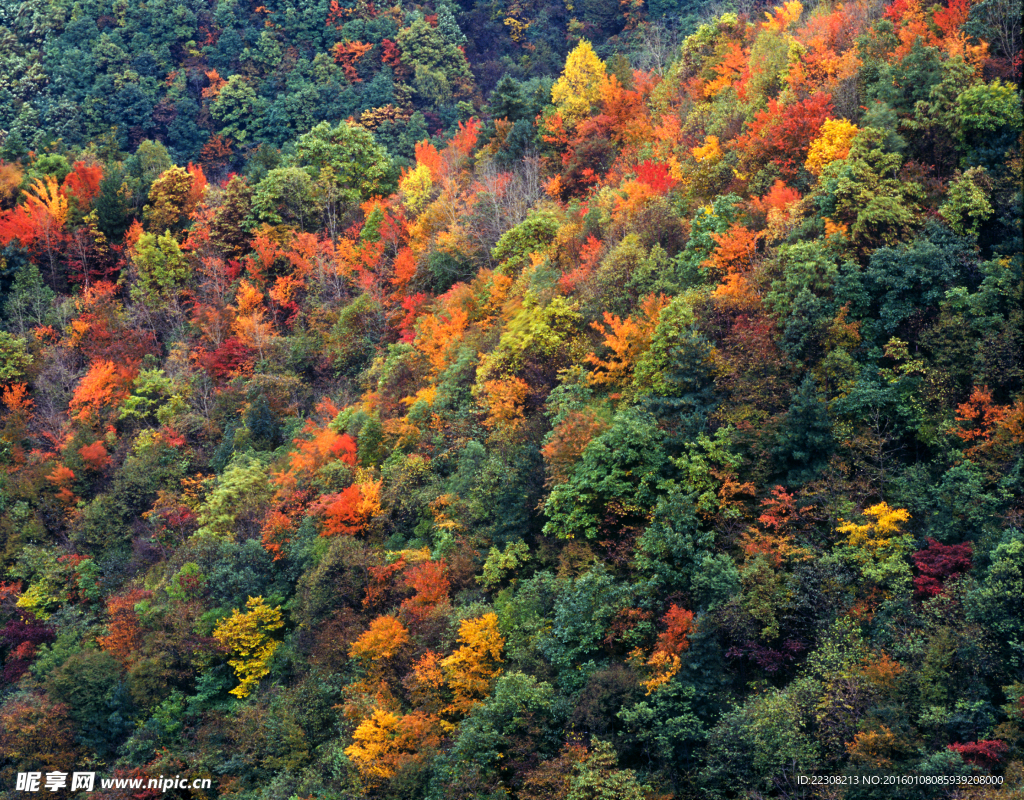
(264, 427)
(507, 99)
(805, 441)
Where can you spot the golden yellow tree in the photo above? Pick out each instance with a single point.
(44, 195)
(580, 83)
(251, 325)
(710, 151)
(383, 640)
(880, 546)
(470, 669)
(504, 399)
(784, 16)
(879, 534)
(384, 741)
(416, 186)
(248, 637)
(833, 143)
(374, 744)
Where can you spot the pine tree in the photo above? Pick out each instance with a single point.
(448, 27)
(507, 99)
(263, 425)
(805, 441)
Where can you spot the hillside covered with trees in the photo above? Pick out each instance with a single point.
(510, 399)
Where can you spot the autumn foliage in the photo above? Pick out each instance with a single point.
(542, 400)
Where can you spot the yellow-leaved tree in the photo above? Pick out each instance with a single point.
(470, 669)
(881, 547)
(580, 83)
(385, 741)
(833, 143)
(382, 641)
(44, 195)
(375, 742)
(416, 186)
(248, 637)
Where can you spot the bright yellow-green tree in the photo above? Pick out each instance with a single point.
(248, 637)
(163, 270)
(416, 186)
(580, 83)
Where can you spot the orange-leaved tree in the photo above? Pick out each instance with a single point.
(628, 339)
(346, 54)
(102, 388)
(95, 456)
(311, 454)
(83, 183)
(385, 741)
(345, 513)
(438, 335)
(504, 401)
(382, 641)
(124, 635)
(664, 662)
(732, 259)
(430, 581)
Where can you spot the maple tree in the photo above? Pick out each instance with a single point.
(323, 446)
(23, 634)
(627, 339)
(95, 456)
(347, 54)
(984, 753)
(83, 183)
(937, 563)
(783, 133)
(346, 512)
(103, 387)
(567, 441)
(436, 336)
(124, 637)
(732, 258)
(979, 419)
(728, 70)
(431, 583)
(38, 223)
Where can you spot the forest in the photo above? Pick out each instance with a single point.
(479, 399)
